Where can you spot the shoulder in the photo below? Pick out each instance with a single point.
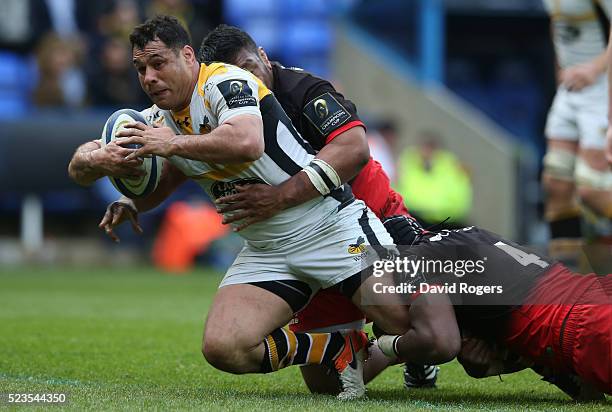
(229, 80)
(296, 81)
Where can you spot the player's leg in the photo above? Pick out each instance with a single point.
(594, 182)
(594, 186)
(561, 210)
(244, 334)
(241, 317)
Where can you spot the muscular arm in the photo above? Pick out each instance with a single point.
(433, 337)
(238, 140)
(348, 153)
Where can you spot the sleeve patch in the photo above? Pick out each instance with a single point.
(326, 113)
(237, 93)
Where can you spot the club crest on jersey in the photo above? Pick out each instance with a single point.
(205, 125)
(326, 113)
(237, 93)
(357, 247)
(221, 189)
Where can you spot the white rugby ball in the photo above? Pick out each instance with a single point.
(142, 185)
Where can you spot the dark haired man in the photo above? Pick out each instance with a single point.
(220, 126)
(331, 125)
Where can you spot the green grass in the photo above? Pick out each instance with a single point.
(130, 339)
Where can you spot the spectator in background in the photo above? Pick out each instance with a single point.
(199, 16)
(576, 176)
(434, 183)
(111, 79)
(61, 82)
(381, 141)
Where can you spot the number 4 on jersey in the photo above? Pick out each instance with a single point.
(520, 256)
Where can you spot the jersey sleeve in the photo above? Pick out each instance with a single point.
(232, 94)
(327, 113)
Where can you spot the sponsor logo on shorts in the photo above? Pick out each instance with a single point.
(358, 247)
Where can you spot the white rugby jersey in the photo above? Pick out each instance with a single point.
(577, 33)
(224, 91)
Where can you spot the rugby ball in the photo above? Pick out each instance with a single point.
(142, 185)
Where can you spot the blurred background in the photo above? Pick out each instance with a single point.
(467, 78)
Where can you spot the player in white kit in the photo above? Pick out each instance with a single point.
(576, 177)
(219, 125)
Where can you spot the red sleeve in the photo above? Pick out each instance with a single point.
(343, 129)
(373, 187)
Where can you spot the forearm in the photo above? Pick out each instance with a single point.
(600, 63)
(235, 141)
(82, 168)
(348, 153)
(170, 179)
(433, 336)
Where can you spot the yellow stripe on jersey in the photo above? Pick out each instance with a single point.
(206, 72)
(263, 90)
(183, 120)
(227, 172)
(214, 69)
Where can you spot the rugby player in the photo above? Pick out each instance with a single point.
(575, 166)
(521, 302)
(330, 123)
(222, 127)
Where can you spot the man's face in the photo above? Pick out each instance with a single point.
(256, 63)
(164, 74)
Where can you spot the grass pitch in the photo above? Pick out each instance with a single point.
(130, 339)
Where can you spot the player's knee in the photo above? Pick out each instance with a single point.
(221, 354)
(559, 164)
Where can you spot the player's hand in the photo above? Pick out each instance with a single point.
(117, 213)
(608, 147)
(578, 77)
(152, 140)
(253, 203)
(478, 358)
(110, 160)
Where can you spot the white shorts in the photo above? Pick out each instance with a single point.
(326, 255)
(580, 116)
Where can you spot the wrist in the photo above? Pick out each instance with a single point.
(174, 145)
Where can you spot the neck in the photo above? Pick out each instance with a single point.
(194, 81)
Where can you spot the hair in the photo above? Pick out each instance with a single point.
(223, 43)
(165, 28)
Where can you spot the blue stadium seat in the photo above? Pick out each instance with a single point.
(16, 73)
(300, 9)
(266, 33)
(308, 36)
(239, 12)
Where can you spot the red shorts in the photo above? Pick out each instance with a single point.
(327, 308)
(570, 327)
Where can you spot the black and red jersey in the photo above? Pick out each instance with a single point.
(314, 106)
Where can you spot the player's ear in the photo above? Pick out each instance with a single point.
(264, 57)
(189, 53)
